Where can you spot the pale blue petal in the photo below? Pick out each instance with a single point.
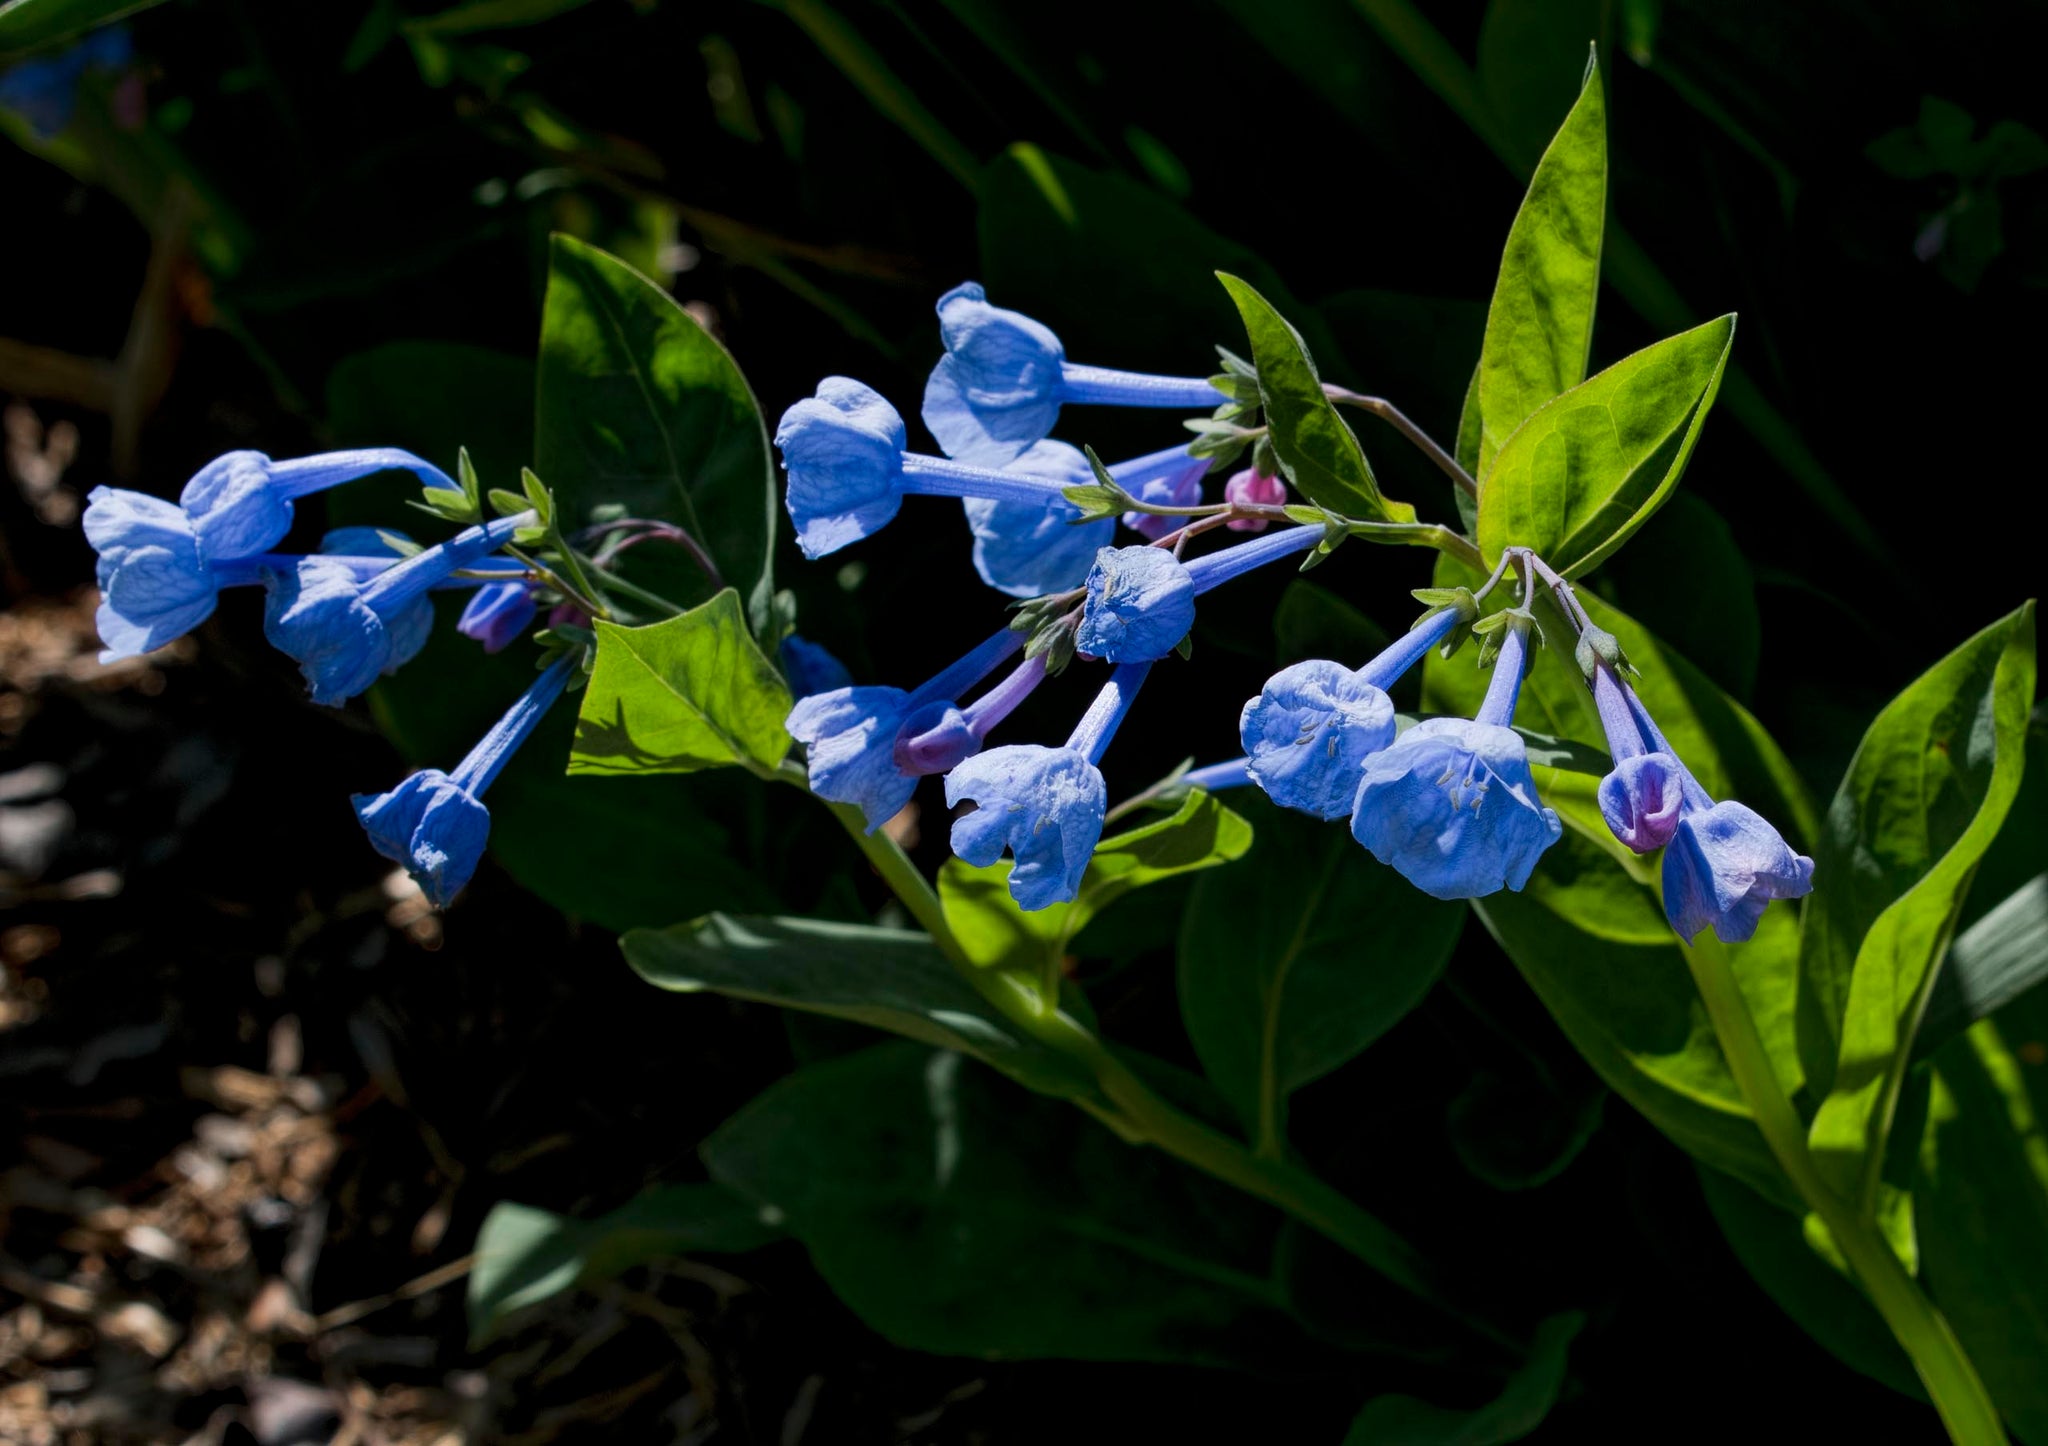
(1452, 806)
(997, 389)
(1141, 602)
(1309, 732)
(1724, 864)
(1641, 800)
(843, 451)
(1044, 805)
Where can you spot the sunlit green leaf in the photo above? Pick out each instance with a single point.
(1923, 799)
(693, 692)
(1318, 452)
(1590, 465)
(637, 404)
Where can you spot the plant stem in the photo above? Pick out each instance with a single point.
(1139, 1114)
(615, 583)
(1385, 410)
(1952, 1383)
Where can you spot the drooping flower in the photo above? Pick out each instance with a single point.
(1451, 803)
(1004, 377)
(1141, 603)
(1026, 549)
(1141, 600)
(162, 564)
(848, 472)
(810, 668)
(498, 613)
(1251, 488)
(434, 823)
(1042, 805)
(344, 631)
(1312, 727)
(1724, 861)
(850, 734)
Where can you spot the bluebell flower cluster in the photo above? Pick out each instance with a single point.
(991, 402)
(356, 609)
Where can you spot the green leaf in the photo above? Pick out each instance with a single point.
(1925, 795)
(27, 25)
(1200, 834)
(1295, 960)
(891, 979)
(1711, 615)
(1590, 465)
(524, 1255)
(478, 15)
(692, 692)
(1589, 932)
(1993, 962)
(637, 404)
(1317, 450)
(1982, 1205)
(1771, 1243)
(1539, 326)
(956, 1216)
(1519, 1409)
(1313, 622)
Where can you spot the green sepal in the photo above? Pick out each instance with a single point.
(466, 474)
(1440, 598)
(399, 543)
(506, 502)
(1186, 646)
(1236, 365)
(1597, 646)
(538, 496)
(1304, 512)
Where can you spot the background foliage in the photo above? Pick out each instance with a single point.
(355, 206)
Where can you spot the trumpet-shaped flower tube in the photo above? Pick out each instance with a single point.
(1641, 799)
(344, 631)
(848, 472)
(498, 613)
(1451, 804)
(435, 824)
(162, 564)
(850, 734)
(1004, 377)
(1044, 806)
(1172, 478)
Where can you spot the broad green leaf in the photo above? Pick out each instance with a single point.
(1316, 449)
(1924, 797)
(1313, 622)
(1589, 932)
(524, 1254)
(1296, 959)
(693, 692)
(1518, 1410)
(1051, 231)
(892, 979)
(1993, 962)
(955, 1215)
(621, 853)
(27, 25)
(1590, 465)
(1772, 1246)
(1983, 1205)
(639, 406)
(1200, 834)
(1539, 326)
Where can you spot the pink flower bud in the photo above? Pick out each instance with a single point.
(1254, 488)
